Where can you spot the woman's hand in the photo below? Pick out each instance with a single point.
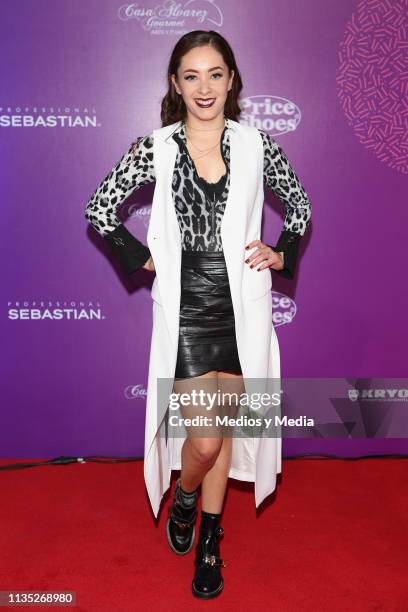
(149, 265)
(266, 255)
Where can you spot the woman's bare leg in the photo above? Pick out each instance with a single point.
(214, 483)
(202, 445)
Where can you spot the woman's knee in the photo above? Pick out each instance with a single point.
(206, 450)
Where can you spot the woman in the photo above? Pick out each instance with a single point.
(212, 309)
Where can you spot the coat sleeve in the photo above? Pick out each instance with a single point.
(134, 169)
(281, 178)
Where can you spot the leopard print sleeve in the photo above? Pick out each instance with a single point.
(134, 169)
(281, 178)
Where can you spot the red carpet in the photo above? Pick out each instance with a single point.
(332, 538)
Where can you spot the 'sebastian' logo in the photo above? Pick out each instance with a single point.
(58, 116)
(58, 310)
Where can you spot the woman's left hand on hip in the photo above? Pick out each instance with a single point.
(264, 255)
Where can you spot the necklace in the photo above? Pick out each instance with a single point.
(204, 151)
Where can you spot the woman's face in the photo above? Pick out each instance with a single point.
(202, 76)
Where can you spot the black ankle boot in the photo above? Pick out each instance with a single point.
(208, 581)
(180, 524)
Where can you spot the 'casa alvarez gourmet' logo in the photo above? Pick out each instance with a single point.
(272, 114)
(142, 214)
(135, 392)
(173, 17)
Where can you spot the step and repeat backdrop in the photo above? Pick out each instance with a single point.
(81, 80)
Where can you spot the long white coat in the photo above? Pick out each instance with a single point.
(253, 459)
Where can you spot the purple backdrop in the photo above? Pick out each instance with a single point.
(80, 81)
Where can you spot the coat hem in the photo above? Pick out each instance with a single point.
(233, 473)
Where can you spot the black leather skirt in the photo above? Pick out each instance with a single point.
(207, 338)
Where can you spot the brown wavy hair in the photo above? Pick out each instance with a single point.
(173, 107)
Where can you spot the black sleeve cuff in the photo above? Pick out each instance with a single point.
(129, 251)
(288, 243)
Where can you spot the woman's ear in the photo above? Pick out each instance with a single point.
(173, 79)
(230, 80)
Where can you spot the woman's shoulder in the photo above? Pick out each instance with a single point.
(269, 142)
(142, 146)
(147, 140)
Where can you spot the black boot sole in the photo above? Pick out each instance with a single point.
(171, 543)
(202, 595)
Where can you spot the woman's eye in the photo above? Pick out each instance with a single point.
(192, 76)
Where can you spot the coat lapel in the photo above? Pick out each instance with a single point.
(164, 237)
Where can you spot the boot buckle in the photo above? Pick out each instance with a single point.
(179, 522)
(213, 560)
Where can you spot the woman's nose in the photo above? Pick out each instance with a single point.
(204, 87)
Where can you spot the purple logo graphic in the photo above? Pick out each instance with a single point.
(372, 79)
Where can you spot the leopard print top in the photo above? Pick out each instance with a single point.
(199, 205)
(194, 209)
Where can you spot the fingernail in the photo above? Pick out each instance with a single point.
(246, 247)
(246, 261)
(251, 266)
